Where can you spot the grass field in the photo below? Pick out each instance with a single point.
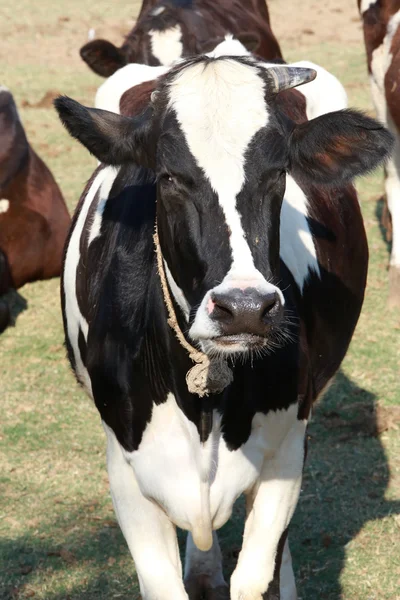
(58, 535)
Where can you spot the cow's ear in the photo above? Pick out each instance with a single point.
(334, 148)
(103, 57)
(249, 39)
(111, 138)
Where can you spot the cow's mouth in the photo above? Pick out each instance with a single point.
(248, 339)
(237, 343)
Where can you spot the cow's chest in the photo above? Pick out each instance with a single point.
(196, 482)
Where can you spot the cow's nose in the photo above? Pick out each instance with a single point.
(245, 311)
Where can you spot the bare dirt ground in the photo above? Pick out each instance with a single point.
(315, 21)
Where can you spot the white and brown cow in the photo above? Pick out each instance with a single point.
(34, 219)
(167, 30)
(381, 20)
(263, 247)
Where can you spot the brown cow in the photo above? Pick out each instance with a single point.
(166, 30)
(381, 20)
(34, 220)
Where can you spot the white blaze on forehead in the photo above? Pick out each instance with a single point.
(220, 106)
(166, 45)
(4, 205)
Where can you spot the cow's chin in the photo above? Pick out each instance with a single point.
(243, 343)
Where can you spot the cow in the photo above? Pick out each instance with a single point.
(170, 29)
(381, 20)
(213, 278)
(34, 219)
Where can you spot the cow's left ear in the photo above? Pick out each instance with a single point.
(103, 57)
(334, 148)
(111, 138)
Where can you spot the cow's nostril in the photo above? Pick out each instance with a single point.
(222, 311)
(268, 305)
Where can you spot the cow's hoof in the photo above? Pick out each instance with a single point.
(199, 588)
(394, 287)
(5, 315)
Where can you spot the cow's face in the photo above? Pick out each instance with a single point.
(220, 149)
(220, 163)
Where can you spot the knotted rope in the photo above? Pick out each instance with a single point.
(207, 376)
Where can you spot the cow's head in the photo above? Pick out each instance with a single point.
(220, 149)
(160, 37)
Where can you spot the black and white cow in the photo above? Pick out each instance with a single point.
(266, 258)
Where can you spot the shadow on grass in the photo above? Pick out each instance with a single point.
(345, 480)
(346, 477)
(84, 555)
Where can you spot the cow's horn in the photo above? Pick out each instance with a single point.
(284, 78)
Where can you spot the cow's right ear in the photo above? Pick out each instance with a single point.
(103, 57)
(111, 138)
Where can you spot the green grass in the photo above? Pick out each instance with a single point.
(58, 535)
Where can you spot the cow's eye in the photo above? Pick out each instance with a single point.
(166, 178)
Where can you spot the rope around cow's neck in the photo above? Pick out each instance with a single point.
(206, 376)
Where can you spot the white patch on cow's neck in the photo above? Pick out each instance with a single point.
(166, 45)
(297, 248)
(366, 4)
(104, 192)
(4, 205)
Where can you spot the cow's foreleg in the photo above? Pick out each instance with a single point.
(149, 533)
(274, 502)
(203, 572)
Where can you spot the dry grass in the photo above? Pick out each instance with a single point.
(59, 539)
